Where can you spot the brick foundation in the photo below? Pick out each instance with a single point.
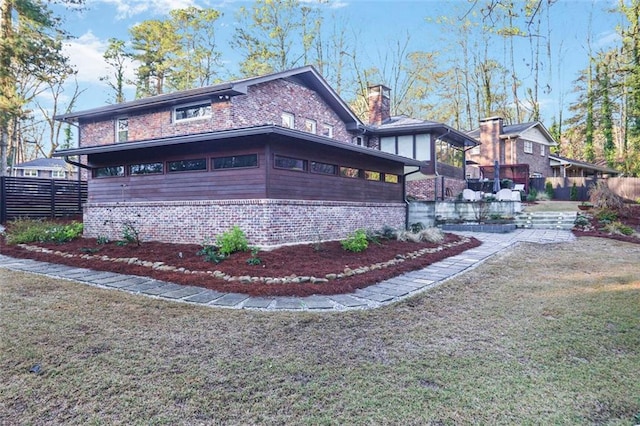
(266, 222)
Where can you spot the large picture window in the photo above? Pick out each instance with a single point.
(235, 161)
(192, 111)
(411, 146)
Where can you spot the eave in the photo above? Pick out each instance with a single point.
(223, 135)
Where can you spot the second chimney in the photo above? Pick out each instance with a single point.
(379, 104)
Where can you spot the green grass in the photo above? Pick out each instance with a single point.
(541, 335)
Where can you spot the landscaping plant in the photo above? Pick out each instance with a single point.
(356, 242)
(23, 231)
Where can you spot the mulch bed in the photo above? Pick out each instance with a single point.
(299, 260)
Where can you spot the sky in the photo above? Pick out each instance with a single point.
(377, 23)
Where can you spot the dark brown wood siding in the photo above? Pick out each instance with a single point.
(242, 183)
(291, 184)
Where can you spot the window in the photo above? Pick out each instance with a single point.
(310, 126)
(448, 154)
(327, 130)
(358, 140)
(187, 165)
(371, 175)
(349, 172)
(528, 147)
(57, 174)
(288, 120)
(235, 161)
(122, 129)
(391, 178)
(542, 150)
(30, 173)
(475, 150)
(109, 171)
(324, 168)
(192, 112)
(411, 146)
(289, 163)
(146, 169)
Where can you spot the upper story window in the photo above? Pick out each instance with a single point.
(475, 150)
(146, 168)
(122, 129)
(324, 168)
(327, 130)
(528, 147)
(30, 173)
(412, 146)
(192, 111)
(288, 120)
(542, 150)
(187, 165)
(449, 154)
(310, 126)
(57, 174)
(281, 162)
(235, 161)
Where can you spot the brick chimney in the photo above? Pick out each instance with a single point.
(490, 130)
(379, 104)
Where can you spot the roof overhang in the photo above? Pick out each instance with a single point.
(221, 136)
(440, 130)
(556, 161)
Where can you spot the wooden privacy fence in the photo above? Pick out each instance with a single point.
(40, 198)
(626, 187)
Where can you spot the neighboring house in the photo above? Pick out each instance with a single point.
(564, 167)
(517, 144)
(281, 156)
(46, 168)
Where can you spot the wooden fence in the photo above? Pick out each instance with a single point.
(626, 187)
(40, 198)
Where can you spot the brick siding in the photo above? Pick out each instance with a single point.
(431, 189)
(266, 222)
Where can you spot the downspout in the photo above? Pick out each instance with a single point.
(404, 197)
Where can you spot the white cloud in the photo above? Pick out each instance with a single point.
(128, 8)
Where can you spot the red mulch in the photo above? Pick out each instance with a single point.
(301, 260)
(629, 215)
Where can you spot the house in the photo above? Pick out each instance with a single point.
(281, 156)
(45, 168)
(517, 144)
(563, 167)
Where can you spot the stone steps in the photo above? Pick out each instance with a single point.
(546, 220)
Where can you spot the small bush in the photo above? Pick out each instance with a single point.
(416, 227)
(254, 259)
(548, 190)
(432, 235)
(602, 197)
(533, 195)
(210, 253)
(130, 234)
(232, 241)
(356, 242)
(582, 221)
(618, 228)
(573, 193)
(23, 231)
(606, 216)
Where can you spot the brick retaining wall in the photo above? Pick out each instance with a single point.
(266, 222)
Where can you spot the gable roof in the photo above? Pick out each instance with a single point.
(513, 131)
(42, 164)
(307, 76)
(401, 123)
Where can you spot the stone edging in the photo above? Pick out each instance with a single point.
(293, 279)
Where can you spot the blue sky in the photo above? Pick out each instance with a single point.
(377, 24)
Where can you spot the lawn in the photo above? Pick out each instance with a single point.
(540, 335)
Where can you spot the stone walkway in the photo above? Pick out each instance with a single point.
(374, 296)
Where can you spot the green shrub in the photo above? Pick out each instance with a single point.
(581, 221)
(606, 216)
(573, 193)
(533, 195)
(548, 189)
(618, 228)
(254, 259)
(232, 241)
(23, 231)
(356, 242)
(210, 253)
